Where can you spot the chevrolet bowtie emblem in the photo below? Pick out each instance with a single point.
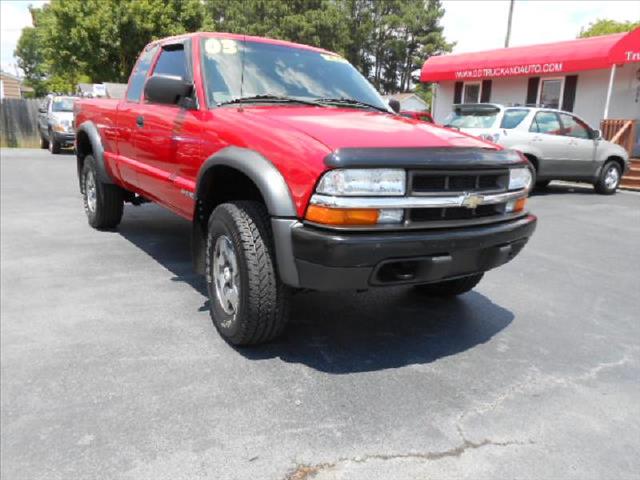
(471, 201)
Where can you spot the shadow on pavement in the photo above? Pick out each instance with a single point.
(338, 332)
(564, 188)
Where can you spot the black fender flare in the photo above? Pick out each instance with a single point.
(89, 129)
(274, 191)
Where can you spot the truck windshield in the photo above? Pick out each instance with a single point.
(62, 105)
(469, 118)
(281, 71)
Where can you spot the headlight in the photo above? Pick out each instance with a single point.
(61, 126)
(354, 182)
(519, 178)
(490, 137)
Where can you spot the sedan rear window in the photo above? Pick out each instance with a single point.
(513, 117)
(472, 118)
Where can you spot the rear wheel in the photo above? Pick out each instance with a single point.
(450, 288)
(103, 203)
(248, 302)
(609, 179)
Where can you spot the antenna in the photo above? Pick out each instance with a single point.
(244, 47)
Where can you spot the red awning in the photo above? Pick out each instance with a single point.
(561, 57)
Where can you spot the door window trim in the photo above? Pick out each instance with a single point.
(560, 99)
(534, 122)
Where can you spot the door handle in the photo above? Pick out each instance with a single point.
(140, 121)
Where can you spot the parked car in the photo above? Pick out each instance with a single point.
(424, 116)
(55, 122)
(296, 175)
(560, 145)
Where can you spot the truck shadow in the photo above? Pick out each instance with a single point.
(337, 332)
(563, 189)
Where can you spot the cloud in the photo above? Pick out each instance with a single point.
(482, 25)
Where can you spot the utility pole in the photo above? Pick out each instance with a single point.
(506, 40)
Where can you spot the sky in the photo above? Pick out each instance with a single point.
(473, 24)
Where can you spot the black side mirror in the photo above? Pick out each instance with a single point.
(42, 110)
(168, 90)
(596, 134)
(395, 105)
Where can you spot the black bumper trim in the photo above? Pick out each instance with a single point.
(335, 260)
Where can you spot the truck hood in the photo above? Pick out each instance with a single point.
(347, 127)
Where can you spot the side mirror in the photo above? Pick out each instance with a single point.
(597, 134)
(395, 105)
(42, 110)
(165, 89)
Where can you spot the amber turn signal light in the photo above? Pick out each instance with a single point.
(520, 203)
(342, 216)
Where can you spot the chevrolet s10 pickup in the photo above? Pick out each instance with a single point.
(296, 175)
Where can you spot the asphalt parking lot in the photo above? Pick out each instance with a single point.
(111, 367)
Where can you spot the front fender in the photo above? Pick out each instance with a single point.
(277, 197)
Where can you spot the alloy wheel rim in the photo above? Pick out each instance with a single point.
(612, 177)
(225, 275)
(90, 191)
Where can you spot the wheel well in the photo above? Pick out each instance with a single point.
(83, 148)
(219, 184)
(533, 160)
(222, 184)
(618, 160)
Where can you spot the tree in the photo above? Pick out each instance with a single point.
(99, 40)
(604, 26)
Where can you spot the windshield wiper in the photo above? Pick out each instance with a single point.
(351, 101)
(267, 98)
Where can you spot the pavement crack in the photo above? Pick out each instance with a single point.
(307, 471)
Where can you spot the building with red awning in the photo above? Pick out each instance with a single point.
(596, 77)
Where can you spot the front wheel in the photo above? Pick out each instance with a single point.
(609, 180)
(450, 288)
(54, 145)
(103, 203)
(248, 302)
(44, 143)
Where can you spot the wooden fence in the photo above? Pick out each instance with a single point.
(19, 122)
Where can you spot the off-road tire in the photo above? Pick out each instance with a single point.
(263, 306)
(450, 288)
(109, 199)
(601, 186)
(44, 142)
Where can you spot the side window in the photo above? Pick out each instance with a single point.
(136, 81)
(574, 127)
(513, 117)
(172, 62)
(546, 122)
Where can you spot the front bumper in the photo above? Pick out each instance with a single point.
(66, 140)
(328, 260)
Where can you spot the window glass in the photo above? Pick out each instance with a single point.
(279, 70)
(550, 93)
(136, 81)
(472, 117)
(574, 127)
(513, 117)
(62, 104)
(172, 62)
(546, 122)
(471, 93)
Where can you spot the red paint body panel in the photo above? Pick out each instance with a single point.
(161, 159)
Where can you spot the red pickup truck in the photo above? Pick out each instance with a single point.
(296, 175)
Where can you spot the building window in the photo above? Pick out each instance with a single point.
(550, 92)
(471, 92)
